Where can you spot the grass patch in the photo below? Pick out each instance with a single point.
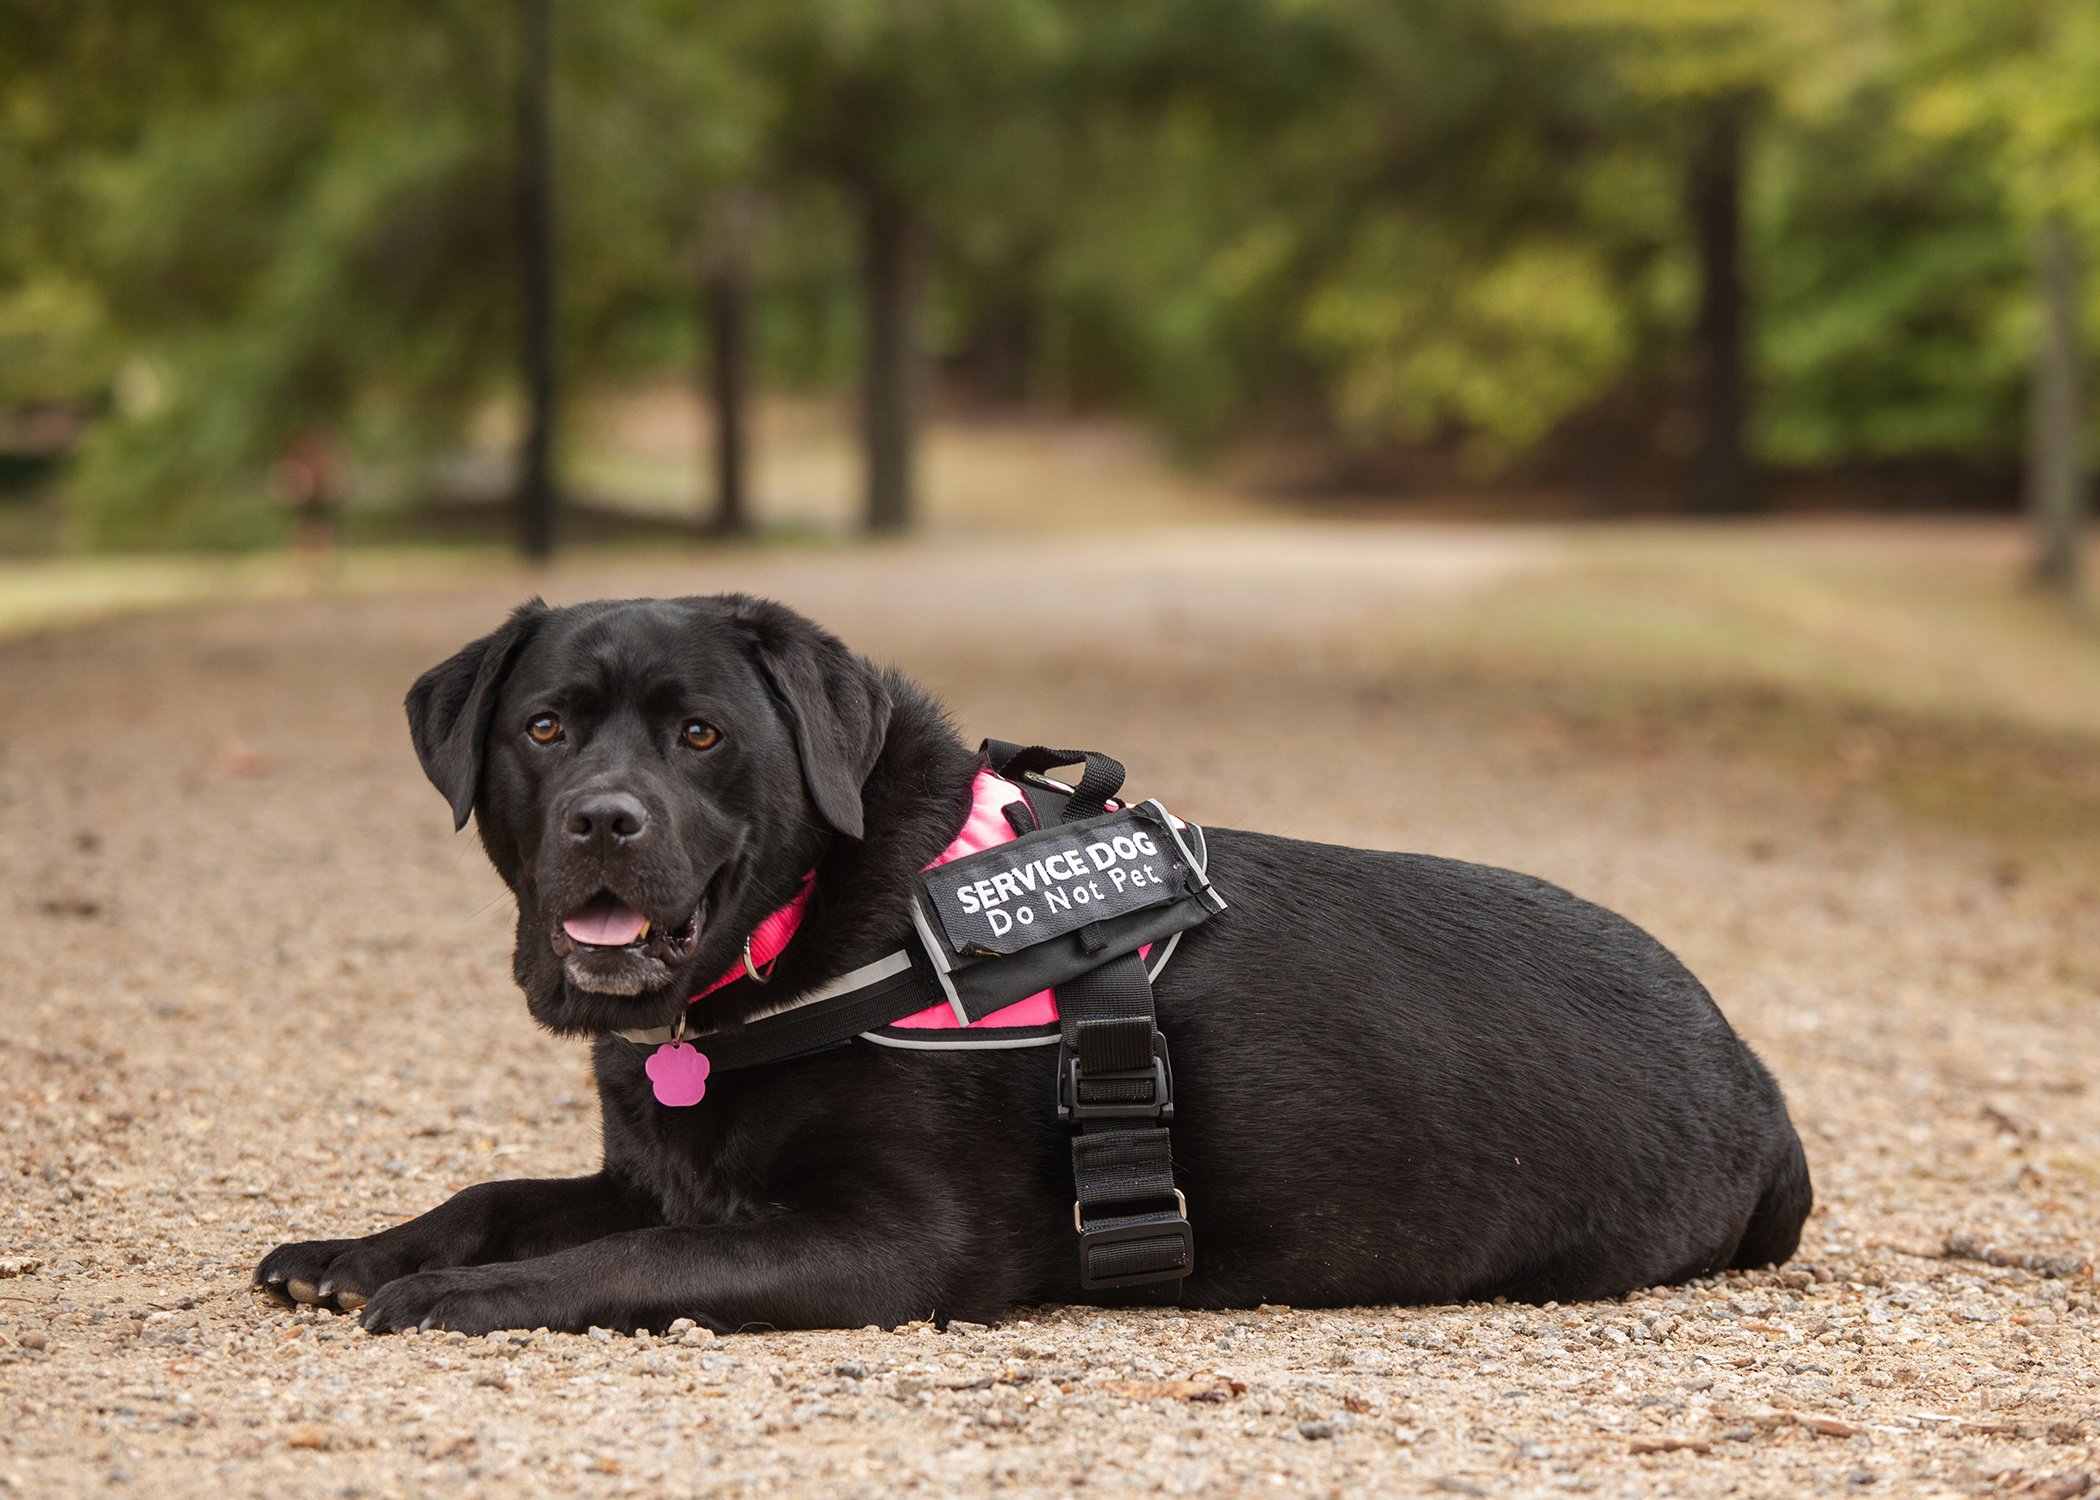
(1924, 672)
(1942, 633)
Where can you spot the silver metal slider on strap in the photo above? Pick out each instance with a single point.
(1181, 1206)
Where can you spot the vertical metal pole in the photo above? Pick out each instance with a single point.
(728, 301)
(1722, 478)
(890, 273)
(726, 294)
(537, 500)
(2056, 479)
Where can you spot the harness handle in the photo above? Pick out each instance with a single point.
(1101, 779)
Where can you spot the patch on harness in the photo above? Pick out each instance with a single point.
(1058, 880)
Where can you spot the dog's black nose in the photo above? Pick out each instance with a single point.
(607, 819)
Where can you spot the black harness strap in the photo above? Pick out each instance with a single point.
(1114, 1082)
(815, 1027)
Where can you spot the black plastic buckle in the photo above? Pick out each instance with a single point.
(1160, 1106)
(1159, 1226)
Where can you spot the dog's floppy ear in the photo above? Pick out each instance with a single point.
(835, 703)
(450, 706)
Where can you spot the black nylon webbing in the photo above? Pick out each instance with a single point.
(1114, 1064)
(1113, 1059)
(1121, 1162)
(1101, 779)
(1140, 1256)
(778, 1038)
(1120, 1042)
(1117, 1167)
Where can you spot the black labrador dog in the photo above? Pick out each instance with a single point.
(1399, 1078)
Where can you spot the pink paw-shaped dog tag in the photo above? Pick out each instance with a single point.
(678, 1073)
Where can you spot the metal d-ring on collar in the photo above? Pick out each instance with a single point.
(676, 1033)
(751, 968)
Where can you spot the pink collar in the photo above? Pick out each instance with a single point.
(678, 1070)
(984, 827)
(768, 940)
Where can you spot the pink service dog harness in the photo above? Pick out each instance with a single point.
(678, 1070)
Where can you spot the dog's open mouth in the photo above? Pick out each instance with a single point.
(606, 944)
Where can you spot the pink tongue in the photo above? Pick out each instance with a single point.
(605, 924)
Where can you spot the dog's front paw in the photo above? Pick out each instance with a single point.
(468, 1299)
(342, 1272)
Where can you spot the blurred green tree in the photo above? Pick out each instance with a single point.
(1702, 82)
(1474, 223)
(928, 116)
(286, 226)
(281, 224)
(2022, 83)
(663, 167)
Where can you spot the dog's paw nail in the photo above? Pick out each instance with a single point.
(350, 1301)
(302, 1291)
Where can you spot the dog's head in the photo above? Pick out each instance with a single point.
(651, 777)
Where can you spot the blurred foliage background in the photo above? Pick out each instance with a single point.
(1701, 254)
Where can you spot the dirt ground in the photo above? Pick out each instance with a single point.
(256, 990)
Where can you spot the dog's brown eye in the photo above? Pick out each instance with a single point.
(701, 735)
(545, 729)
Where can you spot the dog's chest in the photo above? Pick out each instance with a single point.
(759, 1145)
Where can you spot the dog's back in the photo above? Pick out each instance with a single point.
(1415, 1079)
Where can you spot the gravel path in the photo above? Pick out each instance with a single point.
(256, 990)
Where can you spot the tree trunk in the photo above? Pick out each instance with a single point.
(728, 295)
(2056, 435)
(537, 501)
(1721, 478)
(891, 271)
